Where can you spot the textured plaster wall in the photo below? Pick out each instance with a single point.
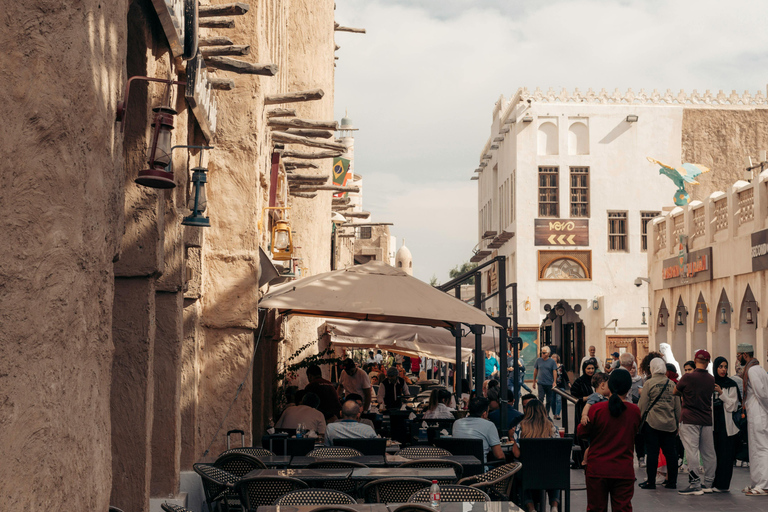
(61, 67)
(721, 139)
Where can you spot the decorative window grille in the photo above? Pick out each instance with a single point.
(579, 191)
(364, 233)
(617, 232)
(645, 218)
(661, 235)
(698, 222)
(548, 192)
(746, 205)
(721, 215)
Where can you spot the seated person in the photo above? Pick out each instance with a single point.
(526, 399)
(602, 393)
(330, 405)
(359, 400)
(439, 405)
(477, 426)
(513, 415)
(401, 372)
(306, 414)
(391, 391)
(349, 427)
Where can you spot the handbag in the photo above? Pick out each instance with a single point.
(645, 414)
(741, 423)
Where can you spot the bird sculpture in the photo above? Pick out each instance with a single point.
(680, 176)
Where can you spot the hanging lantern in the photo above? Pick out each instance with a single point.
(527, 304)
(282, 241)
(700, 315)
(197, 200)
(159, 151)
(661, 320)
(643, 322)
(595, 304)
(723, 318)
(680, 318)
(750, 320)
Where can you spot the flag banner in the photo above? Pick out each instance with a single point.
(340, 174)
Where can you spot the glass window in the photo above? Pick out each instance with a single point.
(579, 191)
(364, 233)
(548, 192)
(617, 232)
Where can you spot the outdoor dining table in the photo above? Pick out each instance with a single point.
(470, 463)
(373, 507)
(305, 475)
(368, 460)
(276, 461)
(466, 506)
(368, 474)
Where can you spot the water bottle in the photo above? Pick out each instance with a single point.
(298, 431)
(434, 494)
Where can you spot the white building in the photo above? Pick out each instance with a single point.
(565, 193)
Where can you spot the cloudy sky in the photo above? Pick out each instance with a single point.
(422, 83)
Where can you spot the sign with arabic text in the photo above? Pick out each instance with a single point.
(561, 232)
(688, 268)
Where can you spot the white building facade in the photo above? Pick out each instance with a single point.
(566, 193)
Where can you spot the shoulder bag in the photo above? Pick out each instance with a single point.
(645, 414)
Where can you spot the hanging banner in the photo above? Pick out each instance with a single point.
(340, 174)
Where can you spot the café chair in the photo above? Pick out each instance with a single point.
(451, 494)
(336, 508)
(547, 466)
(347, 486)
(334, 452)
(265, 490)
(216, 483)
(376, 446)
(171, 507)
(249, 450)
(413, 507)
(301, 497)
(393, 490)
(496, 482)
(239, 464)
(436, 463)
(466, 446)
(423, 452)
(115, 509)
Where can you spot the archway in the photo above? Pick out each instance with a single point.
(748, 313)
(721, 342)
(678, 344)
(700, 318)
(563, 331)
(661, 324)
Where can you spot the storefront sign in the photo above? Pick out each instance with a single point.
(561, 232)
(688, 267)
(760, 250)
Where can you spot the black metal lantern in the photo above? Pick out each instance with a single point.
(197, 200)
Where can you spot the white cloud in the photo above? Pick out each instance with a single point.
(421, 85)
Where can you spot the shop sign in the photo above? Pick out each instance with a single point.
(561, 232)
(760, 250)
(688, 267)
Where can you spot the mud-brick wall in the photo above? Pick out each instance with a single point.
(721, 139)
(61, 68)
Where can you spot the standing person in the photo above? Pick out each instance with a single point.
(582, 386)
(611, 430)
(407, 364)
(756, 409)
(598, 361)
(491, 365)
(415, 365)
(545, 376)
(696, 390)
(355, 381)
(330, 405)
(562, 383)
(661, 409)
(392, 390)
(371, 359)
(378, 357)
(726, 402)
(688, 367)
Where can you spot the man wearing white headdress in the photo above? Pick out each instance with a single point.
(755, 402)
(669, 357)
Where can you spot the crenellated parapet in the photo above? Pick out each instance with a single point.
(708, 98)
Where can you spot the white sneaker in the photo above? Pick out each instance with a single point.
(641, 462)
(660, 478)
(553, 508)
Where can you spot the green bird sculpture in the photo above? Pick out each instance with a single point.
(686, 173)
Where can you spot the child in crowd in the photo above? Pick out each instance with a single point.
(602, 393)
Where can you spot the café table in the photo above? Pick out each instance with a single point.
(368, 460)
(369, 474)
(360, 507)
(464, 506)
(276, 461)
(305, 475)
(471, 464)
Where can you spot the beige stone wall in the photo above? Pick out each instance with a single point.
(61, 67)
(721, 139)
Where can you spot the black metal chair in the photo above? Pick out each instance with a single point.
(283, 445)
(496, 482)
(346, 486)
(423, 452)
(315, 497)
(466, 446)
(376, 446)
(436, 463)
(216, 483)
(265, 490)
(115, 509)
(547, 466)
(393, 490)
(171, 507)
(253, 451)
(335, 508)
(334, 452)
(239, 464)
(451, 494)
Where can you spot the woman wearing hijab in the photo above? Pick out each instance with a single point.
(611, 429)
(582, 386)
(661, 410)
(726, 432)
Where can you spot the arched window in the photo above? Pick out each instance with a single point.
(548, 139)
(578, 139)
(565, 268)
(410, 264)
(400, 264)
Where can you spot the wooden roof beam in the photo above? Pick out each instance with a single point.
(293, 97)
(288, 138)
(236, 9)
(284, 124)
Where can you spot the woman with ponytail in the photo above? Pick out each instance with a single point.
(611, 431)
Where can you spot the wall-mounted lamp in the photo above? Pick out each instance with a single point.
(632, 118)
(527, 304)
(615, 322)
(282, 238)
(700, 312)
(643, 321)
(196, 201)
(724, 313)
(750, 316)
(661, 319)
(595, 304)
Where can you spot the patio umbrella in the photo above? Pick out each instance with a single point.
(374, 292)
(405, 348)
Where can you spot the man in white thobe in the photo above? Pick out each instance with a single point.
(756, 407)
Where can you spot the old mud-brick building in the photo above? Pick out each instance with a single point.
(126, 335)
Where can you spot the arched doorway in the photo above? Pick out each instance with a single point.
(563, 331)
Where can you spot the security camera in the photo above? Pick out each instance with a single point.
(639, 281)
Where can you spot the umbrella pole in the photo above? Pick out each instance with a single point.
(502, 274)
(478, 331)
(457, 366)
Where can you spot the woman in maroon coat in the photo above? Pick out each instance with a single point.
(611, 431)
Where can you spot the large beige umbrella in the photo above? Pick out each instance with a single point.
(375, 292)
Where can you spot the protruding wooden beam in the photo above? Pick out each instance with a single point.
(340, 200)
(358, 215)
(319, 134)
(334, 188)
(339, 28)
(306, 177)
(341, 208)
(305, 195)
(302, 123)
(217, 23)
(281, 112)
(211, 51)
(292, 97)
(236, 9)
(288, 138)
(214, 41)
(294, 164)
(311, 156)
(337, 48)
(221, 84)
(357, 224)
(239, 66)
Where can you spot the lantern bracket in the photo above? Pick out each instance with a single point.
(122, 106)
(260, 225)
